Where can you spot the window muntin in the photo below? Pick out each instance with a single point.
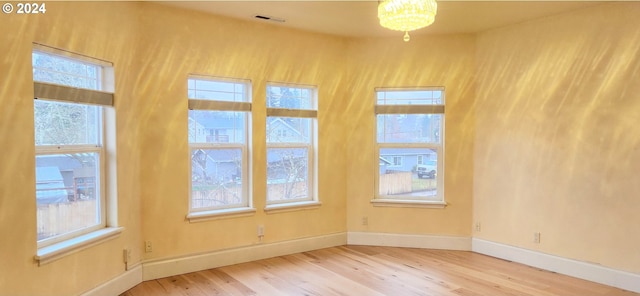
(290, 144)
(217, 126)
(290, 97)
(70, 197)
(218, 142)
(410, 97)
(410, 133)
(409, 128)
(66, 71)
(288, 173)
(60, 123)
(217, 178)
(227, 90)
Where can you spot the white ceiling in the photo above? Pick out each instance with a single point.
(359, 18)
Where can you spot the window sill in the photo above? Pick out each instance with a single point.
(407, 203)
(220, 214)
(292, 206)
(56, 251)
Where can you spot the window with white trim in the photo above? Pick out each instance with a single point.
(291, 140)
(410, 144)
(72, 94)
(219, 110)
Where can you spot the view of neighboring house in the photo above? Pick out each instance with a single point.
(404, 159)
(63, 178)
(216, 127)
(221, 166)
(50, 187)
(216, 166)
(284, 130)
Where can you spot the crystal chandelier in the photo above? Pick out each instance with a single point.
(407, 15)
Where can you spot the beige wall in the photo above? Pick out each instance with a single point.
(557, 135)
(202, 44)
(425, 61)
(153, 49)
(98, 30)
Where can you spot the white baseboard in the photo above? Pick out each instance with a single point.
(169, 267)
(119, 284)
(410, 241)
(587, 271)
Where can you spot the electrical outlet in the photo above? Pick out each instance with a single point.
(126, 255)
(148, 247)
(260, 231)
(536, 237)
(365, 221)
(478, 227)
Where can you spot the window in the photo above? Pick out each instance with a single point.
(71, 107)
(291, 137)
(219, 112)
(397, 161)
(410, 136)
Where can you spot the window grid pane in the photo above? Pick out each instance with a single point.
(218, 146)
(204, 89)
(411, 97)
(55, 69)
(290, 145)
(68, 139)
(288, 130)
(409, 128)
(217, 127)
(67, 193)
(58, 123)
(290, 97)
(287, 174)
(409, 146)
(216, 178)
(402, 174)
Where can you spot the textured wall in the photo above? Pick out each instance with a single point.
(424, 61)
(557, 138)
(110, 36)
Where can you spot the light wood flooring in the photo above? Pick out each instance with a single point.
(366, 270)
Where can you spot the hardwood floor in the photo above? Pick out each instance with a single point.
(366, 270)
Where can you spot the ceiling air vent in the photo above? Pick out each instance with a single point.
(268, 18)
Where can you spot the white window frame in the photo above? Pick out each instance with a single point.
(420, 159)
(246, 205)
(409, 200)
(312, 114)
(51, 249)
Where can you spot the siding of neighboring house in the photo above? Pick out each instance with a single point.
(215, 127)
(408, 157)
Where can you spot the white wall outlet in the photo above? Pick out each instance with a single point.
(126, 255)
(365, 221)
(260, 231)
(536, 237)
(478, 227)
(148, 247)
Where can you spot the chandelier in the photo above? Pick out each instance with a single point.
(407, 15)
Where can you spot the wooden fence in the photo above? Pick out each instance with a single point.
(284, 191)
(216, 197)
(396, 183)
(59, 218)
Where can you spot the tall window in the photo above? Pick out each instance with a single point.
(218, 135)
(70, 152)
(410, 141)
(291, 156)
